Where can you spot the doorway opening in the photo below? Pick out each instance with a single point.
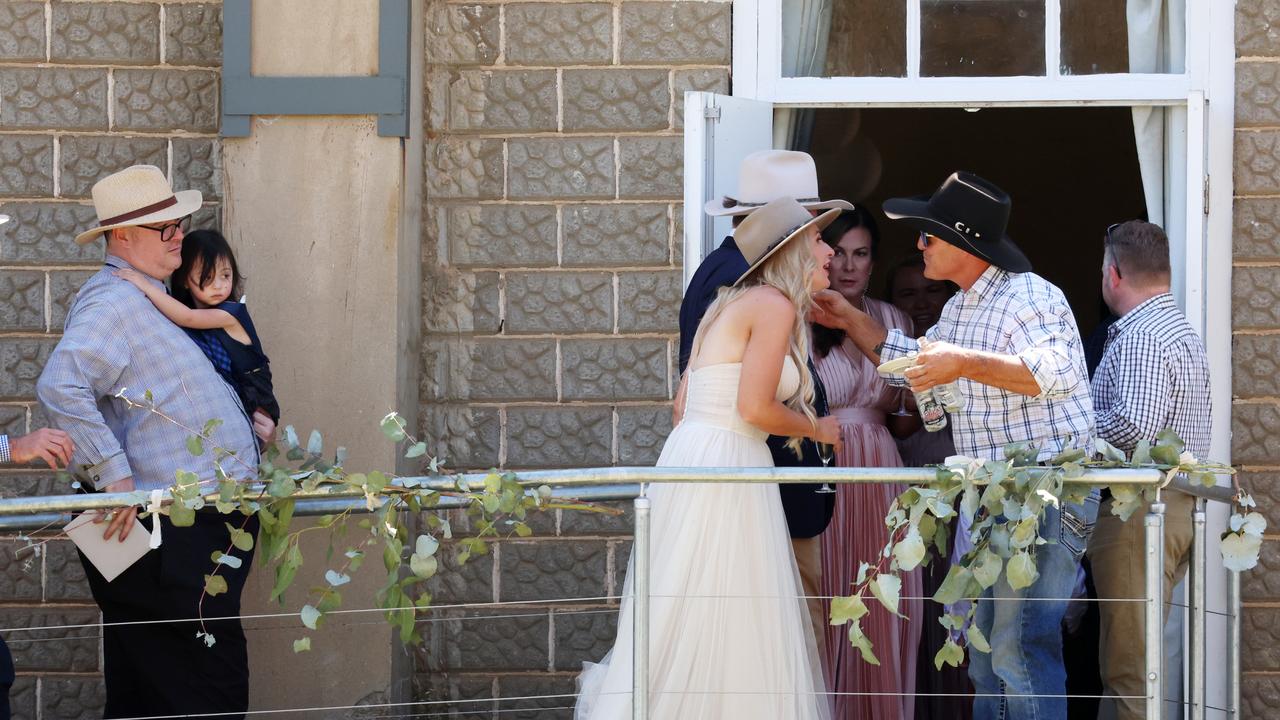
(1070, 171)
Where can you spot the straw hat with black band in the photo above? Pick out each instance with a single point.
(139, 195)
(767, 175)
(967, 212)
(766, 230)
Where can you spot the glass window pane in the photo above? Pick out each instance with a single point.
(1097, 37)
(845, 38)
(981, 38)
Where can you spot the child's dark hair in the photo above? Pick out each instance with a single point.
(205, 247)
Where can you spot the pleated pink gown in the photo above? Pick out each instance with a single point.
(862, 402)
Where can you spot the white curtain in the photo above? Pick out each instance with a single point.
(1158, 44)
(806, 26)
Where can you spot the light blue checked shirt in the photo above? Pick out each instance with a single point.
(115, 338)
(1025, 315)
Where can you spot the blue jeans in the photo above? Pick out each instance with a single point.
(1024, 626)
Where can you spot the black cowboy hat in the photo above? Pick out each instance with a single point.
(968, 212)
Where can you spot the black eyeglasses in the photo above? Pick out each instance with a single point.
(1115, 263)
(167, 232)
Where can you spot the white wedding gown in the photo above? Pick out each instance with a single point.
(730, 637)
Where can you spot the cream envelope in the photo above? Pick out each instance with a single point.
(110, 557)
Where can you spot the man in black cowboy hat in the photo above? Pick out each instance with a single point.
(1010, 341)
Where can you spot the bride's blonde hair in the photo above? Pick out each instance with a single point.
(787, 271)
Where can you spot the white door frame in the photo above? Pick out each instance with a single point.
(1206, 90)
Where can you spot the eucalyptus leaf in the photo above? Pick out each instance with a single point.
(309, 616)
(315, 445)
(977, 640)
(302, 645)
(1106, 450)
(290, 437)
(241, 539)
(1142, 453)
(859, 640)
(1021, 570)
(887, 588)
(846, 609)
(392, 427)
(336, 579)
(230, 561)
(195, 445)
(950, 654)
(214, 585)
(1240, 552)
(953, 587)
(426, 546)
(416, 450)
(986, 570)
(910, 550)
(423, 566)
(181, 515)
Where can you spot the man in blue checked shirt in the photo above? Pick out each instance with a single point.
(1154, 375)
(1009, 339)
(117, 341)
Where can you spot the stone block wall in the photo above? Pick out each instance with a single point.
(1255, 445)
(552, 255)
(86, 88)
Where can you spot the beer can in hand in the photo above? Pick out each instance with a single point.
(931, 411)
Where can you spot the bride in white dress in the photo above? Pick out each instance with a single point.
(730, 636)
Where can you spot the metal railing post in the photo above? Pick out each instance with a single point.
(1154, 526)
(1233, 645)
(1197, 652)
(640, 617)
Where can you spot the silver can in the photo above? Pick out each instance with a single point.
(931, 411)
(950, 395)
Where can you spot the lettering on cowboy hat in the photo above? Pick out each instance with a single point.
(968, 212)
(138, 195)
(767, 175)
(768, 229)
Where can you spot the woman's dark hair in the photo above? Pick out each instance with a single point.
(825, 338)
(205, 247)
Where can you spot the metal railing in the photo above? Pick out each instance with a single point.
(620, 483)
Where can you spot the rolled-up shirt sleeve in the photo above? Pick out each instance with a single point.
(1042, 337)
(897, 344)
(83, 369)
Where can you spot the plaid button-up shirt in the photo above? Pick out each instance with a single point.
(115, 338)
(1019, 314)
(1154, 375)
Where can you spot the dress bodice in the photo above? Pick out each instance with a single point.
(712, 395)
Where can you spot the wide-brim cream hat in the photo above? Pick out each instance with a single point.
(139, 195)
(769, 229)
(767, 175)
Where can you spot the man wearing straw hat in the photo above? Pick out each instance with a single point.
(763, 177)
(1009, 339)
(116, 342)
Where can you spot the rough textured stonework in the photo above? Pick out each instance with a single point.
(1255, 441)
(86, 88)
(551, 284)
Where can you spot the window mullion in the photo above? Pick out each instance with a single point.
(1053, 38)
(913, 39)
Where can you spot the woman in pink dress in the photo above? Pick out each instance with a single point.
(864, 405)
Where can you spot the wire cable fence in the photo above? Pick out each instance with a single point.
(622, 483)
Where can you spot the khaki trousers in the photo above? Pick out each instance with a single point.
(1116, 554)
(809, 559)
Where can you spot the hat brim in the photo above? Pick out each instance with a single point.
(914, 212)
(717, 208)
(820, 222)
(189, 201)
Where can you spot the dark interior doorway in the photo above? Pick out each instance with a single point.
(1070, 171)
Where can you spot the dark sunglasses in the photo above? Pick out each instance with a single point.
(167, 232)
(924, 239)
(1110, 242)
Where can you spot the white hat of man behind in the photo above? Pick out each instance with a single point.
(767, 175)
(138, 195)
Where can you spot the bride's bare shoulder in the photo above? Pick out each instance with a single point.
(766, 298)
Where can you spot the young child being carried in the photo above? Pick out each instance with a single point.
(222, 328)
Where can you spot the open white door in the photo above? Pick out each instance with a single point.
(719, 131)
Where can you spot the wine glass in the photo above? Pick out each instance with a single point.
(902, 404)
(825, 453)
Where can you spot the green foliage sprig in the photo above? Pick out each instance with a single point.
(1004, 503)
